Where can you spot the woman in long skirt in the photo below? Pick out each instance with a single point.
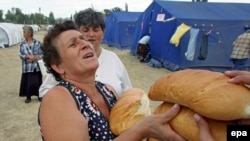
(30, 53)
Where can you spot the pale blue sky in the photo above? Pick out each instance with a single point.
(64, 8)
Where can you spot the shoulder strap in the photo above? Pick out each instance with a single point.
(72, 94)
(77, 102)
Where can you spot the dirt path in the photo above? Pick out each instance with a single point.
(18, 120)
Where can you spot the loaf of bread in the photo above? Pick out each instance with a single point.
(206, 92)
(132, 106)
(185, 125)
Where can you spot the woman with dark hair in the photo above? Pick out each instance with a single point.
(30, 53)
(78, 108)
(91, 24)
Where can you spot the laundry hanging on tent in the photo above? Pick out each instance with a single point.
(227, 24)
(192, 44)
(180, 31)
(204, 46)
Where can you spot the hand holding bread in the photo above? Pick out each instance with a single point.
(204, 92)
(132, 114)
(197, 91)
(207, 93)
(239, 77)
(185, 125)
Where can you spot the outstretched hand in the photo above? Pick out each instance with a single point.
(239, 77)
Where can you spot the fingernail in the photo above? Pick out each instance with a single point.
(176, 105)
(230, 80)
(197, 117)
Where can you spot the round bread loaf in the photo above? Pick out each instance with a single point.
(132, 106)
(206, 92)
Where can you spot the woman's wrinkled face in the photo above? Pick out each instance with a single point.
(93, 34)
(26, 34)
(77, 54)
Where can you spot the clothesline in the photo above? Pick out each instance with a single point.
(209, 29)
(203, 26)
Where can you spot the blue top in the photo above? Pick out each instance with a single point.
(34, 49)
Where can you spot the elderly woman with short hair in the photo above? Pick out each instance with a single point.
(30, 52)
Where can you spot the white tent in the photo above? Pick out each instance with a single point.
(10, 34)
(48, 27)
(35, 27)
(4, 40)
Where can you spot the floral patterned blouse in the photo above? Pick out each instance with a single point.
(99, 129)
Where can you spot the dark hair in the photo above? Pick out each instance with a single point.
(90, 18)
(50, 48)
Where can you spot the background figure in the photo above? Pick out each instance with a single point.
(143, 47)
(30, 53)
(241, 49)
(111, 70)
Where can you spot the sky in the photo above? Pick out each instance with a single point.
(66, 8)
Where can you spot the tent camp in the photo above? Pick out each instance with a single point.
(192, 34)
(120, 27)
(10, 34)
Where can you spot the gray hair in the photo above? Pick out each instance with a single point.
(29, 29)
(90, 18)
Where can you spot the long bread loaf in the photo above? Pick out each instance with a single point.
(206, 92)
(185, 125)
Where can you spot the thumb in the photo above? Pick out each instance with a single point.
(172, 112)
(203, 128)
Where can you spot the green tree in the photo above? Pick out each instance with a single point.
(31, 19)
(19, 16)
(10, 16)
(51, 18)
(38, 19)
(1, 15)
(117, 9)
(26, 19)
(15, 15)
(106, 12)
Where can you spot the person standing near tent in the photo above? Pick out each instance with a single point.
(241, 50)
(111, 70)
(143, 48)
(30, 52)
